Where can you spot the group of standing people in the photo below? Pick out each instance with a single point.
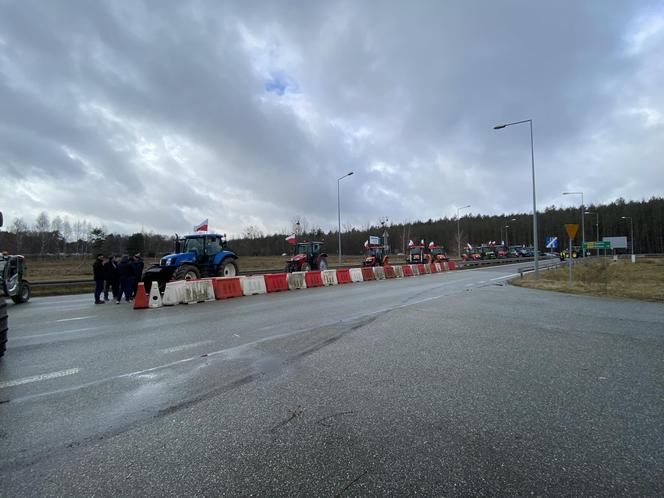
(118, 275)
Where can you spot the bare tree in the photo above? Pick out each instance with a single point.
(66, 234)
(252, 232)
(19, 229)
(300, 225)
(42, 225)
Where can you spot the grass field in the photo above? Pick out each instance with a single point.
(641, 280)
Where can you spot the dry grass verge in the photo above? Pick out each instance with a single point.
(641, 280)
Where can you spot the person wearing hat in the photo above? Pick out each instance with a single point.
(98, 275)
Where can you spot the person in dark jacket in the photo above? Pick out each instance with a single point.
(126, 274)
(111, 277)
(138, 270)
(98, 275)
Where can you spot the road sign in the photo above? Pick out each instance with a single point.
(597, 245)
(572, 228)
(552, 242)
(616, 242)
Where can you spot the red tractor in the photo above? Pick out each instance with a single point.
(307, 256)
(471, 253)
(438, 253)
(375, 255)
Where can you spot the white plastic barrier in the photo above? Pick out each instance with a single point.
(174, 293)
(414, 269)
(296, 280)
(197, 291)
(253, 285)
(329, 277)
(154, 299)
(379, 272)
(356, 275)
(438, 267)
(398, 271)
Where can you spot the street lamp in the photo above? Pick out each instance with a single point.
(507, 241)
(583, 222)
(532, 158)
(339, 210)
(459, 230)
(631, 232)
(596, 227)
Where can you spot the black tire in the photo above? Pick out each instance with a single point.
(305, 267)
(322, 264)
(187, 272)
(3, 326)
(23, 295)
(228, 268)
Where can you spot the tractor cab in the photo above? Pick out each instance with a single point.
(375, 255)
(417, 254)
(12, 278)
(438, 253)
(502, 251)
(307, 256)
(471, 253)
(488, 252)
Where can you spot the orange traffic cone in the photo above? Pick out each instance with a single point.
(141, 298)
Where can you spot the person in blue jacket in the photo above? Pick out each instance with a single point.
(126, 273)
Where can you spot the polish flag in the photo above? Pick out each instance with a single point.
(291, 239)
(432, 244)
(411, 243)
(366, 243)
(202, 226)
(468, 245)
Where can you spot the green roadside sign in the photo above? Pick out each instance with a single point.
(597, 245)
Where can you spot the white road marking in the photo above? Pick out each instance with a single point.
(53, 333)
(505, 276)
(77, 318)
(39, 378)
(184, 347)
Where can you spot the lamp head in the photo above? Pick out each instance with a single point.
(499, 127)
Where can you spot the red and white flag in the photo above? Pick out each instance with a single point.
(411, 243)
(202, 226)
(291, 239)
(366, 243)
(468, 245)
(432, 244)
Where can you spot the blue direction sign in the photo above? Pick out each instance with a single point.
(552, 242)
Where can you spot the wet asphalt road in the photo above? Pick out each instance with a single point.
(448, 384)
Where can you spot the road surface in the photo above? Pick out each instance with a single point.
(445, 384)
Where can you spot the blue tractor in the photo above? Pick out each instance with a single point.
(195, 256)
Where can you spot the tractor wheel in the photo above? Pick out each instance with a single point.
(227, 268)
(305, 267)
(322, 264)
(23, 294)
(3, 325)
(187, 272)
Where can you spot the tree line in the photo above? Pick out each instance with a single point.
(61, 237)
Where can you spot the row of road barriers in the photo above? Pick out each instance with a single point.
(217, 288)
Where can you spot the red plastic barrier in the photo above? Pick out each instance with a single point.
(313, 279)
(420, 268)
(343, 276)
(443, 266)
(407, 270)
(276, 282)
(433, 268)
(389, 272)
(226, 287)
(451, 265)
(367, 273)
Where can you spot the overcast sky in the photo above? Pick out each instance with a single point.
(157, 115)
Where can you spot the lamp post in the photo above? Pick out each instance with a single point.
(631, 232)
(532, 158)
(596, 228)
(339, 210)
(507, 239)
(583, 223)
(459, 230)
